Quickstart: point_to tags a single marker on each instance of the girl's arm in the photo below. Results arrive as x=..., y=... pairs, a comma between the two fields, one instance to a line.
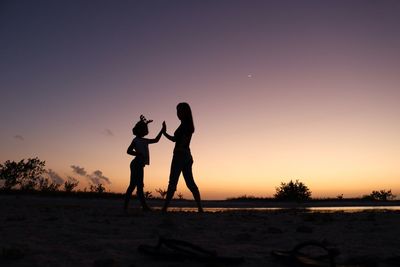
x=157, y=138
x=131, y=150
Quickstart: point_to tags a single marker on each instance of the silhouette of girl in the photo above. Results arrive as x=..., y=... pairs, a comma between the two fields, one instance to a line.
x=140, y=149
x=182, y=160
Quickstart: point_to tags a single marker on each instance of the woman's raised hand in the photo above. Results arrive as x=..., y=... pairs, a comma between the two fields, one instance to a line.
x=164, y=127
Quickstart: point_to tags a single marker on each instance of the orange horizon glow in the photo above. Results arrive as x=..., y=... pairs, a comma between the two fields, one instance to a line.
x=279, y=91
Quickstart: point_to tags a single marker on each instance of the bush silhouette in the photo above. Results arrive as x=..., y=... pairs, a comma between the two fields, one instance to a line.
x=180, y=196
x=24, y=175
x=381, y=195
x=292, y=191
x=161, y=192
x=148, y=194
x=70, y=184
x=45, y=185
x=97, y=188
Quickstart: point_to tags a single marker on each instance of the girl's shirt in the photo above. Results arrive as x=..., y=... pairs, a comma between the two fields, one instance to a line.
x=141, y=145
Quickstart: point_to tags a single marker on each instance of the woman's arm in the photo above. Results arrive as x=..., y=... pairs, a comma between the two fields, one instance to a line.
x=169, y=137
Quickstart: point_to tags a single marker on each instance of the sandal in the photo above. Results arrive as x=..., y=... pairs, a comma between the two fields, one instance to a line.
x=179, y=250
x=301, y=256
x=322, y=256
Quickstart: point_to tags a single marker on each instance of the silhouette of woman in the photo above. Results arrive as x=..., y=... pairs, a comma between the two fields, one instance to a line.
x=182, y=160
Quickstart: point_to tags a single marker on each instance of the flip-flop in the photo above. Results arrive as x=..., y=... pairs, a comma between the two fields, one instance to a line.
x=179, y=250
x=298, y=256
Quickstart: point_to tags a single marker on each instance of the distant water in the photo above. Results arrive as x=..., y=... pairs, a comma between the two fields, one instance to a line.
x=307, y=209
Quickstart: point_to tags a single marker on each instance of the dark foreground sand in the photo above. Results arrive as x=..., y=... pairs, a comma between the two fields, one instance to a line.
x=47, y=231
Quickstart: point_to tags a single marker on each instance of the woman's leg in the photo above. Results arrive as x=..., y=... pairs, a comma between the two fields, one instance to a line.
x=188, y=175
x=173, y=181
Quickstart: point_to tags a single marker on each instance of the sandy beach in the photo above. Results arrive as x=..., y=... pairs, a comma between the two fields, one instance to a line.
x=65, y=231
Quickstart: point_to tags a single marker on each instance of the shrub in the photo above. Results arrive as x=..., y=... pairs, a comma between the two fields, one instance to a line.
x=381, y=195
x=148, y=194
x=98, y=188
x=293, y=191
x=162, y=192
x=44, y=185
x=70, y=184
x=244, y=198
x=24, y=175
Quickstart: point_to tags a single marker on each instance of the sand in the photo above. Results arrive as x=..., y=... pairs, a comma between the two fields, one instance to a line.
x=65, y=231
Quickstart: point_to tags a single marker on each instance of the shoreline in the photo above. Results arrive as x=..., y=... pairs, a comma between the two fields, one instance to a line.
x=219, y=205
x=282, y=204
x=234, y=204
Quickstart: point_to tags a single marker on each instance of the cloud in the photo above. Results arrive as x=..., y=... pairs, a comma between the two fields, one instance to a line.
x=108, y=132
x=19, y=137
x=54, y=176
x=97, y=177
x=79, y=170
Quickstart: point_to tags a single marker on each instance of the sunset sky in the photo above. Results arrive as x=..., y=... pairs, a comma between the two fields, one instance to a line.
x=280, y=90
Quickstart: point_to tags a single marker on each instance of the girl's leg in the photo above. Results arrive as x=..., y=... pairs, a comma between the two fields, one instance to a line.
x=173, y=181
x=188, y=175
x=140, y=185
x=128, y=195
x=130, y=189
x=142, y=200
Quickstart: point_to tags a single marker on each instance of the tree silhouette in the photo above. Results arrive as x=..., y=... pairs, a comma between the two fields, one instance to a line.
x=293, y=191
x=24, y=175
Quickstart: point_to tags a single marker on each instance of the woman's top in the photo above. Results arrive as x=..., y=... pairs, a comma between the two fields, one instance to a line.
x=141, y=145
x=183, y=135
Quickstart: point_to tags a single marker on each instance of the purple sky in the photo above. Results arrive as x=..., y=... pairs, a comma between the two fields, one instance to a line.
x=280, y=90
